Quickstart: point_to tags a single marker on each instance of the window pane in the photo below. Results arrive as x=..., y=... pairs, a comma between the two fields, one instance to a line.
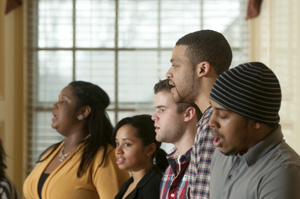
x=138, y=23
x=214, y=12
x=137, y=72
x=177, y=19
x=111, y=115
x=43, y=135
x=55, y=23
x=54, y=73
x=165, y=64
x=95, y=22
x=97, y=67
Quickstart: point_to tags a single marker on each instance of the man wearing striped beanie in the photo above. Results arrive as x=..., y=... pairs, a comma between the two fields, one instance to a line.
x=252, y=160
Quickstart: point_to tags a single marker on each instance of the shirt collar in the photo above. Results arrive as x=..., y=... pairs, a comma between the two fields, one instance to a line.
x=174, y=155
x=178, y=162
x=207, y=113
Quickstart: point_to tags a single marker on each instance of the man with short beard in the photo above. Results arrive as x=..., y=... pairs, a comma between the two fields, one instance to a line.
x=197, y=60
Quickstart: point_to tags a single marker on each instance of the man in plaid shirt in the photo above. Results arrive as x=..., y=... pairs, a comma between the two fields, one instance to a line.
x=197, y=60
x=175, y=123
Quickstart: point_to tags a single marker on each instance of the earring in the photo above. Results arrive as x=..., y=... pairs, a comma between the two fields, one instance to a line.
x=80, y=117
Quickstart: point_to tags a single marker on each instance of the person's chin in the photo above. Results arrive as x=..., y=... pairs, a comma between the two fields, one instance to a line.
x=122, y=167
x=158, y=138
x=180, y=98
x=226, y=152
x=53, y=125
x=177, y=98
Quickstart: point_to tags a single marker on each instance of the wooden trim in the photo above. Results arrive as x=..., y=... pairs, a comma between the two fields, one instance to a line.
x=2, y=127
x=2, y=3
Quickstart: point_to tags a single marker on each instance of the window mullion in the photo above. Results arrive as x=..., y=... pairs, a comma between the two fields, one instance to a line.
x=116, y=108
x=74, y=41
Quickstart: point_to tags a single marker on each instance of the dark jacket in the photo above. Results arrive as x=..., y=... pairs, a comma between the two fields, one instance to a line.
x=147, y=188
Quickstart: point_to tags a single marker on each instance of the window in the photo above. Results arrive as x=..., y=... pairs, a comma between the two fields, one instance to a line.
x=124, y=46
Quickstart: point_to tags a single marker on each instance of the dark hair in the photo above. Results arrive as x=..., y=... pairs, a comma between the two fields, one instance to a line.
x=98, y=125
x=210, y=46
x=163, y=85
x=145, y=131
x=2, y=161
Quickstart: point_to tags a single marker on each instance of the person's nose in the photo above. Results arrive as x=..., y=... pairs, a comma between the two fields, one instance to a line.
x=154, y=117
x=212, y=121
x=169, y=73
x=54, y=106
x=119, y=150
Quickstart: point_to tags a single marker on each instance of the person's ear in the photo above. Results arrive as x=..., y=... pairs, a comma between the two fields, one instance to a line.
x=150, y=149
x=202, y=69
x=189, y=113
x=85, y=111
x=256, y=125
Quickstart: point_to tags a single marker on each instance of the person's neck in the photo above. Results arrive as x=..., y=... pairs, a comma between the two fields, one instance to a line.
x=259, y=135
x=72, y=141
x=262, y=133
x=139, y=174
x=202, y=100
x=187, y=140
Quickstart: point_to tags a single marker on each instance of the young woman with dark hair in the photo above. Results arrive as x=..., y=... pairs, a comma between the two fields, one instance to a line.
x=138, y=151
x=83, y=165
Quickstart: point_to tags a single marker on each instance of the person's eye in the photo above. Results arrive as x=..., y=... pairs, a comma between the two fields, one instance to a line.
x=223, y=116
x=174, y=66
x=127, y=145
x=161, y=110
x=63, y=101
x=117, y=144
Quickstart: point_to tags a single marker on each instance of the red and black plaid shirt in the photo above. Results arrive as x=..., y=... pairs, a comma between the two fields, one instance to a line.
x=174, y=181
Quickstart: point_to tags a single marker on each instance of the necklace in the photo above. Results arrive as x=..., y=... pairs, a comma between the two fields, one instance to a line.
x=63, y=156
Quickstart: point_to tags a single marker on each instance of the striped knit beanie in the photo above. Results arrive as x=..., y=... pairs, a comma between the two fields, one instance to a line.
x=251, y=90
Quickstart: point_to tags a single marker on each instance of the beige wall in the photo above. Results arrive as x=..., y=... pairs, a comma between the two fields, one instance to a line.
x=276, y=42
x=11, y=91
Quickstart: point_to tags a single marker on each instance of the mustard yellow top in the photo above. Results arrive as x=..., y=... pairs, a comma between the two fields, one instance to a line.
x=98, y=182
